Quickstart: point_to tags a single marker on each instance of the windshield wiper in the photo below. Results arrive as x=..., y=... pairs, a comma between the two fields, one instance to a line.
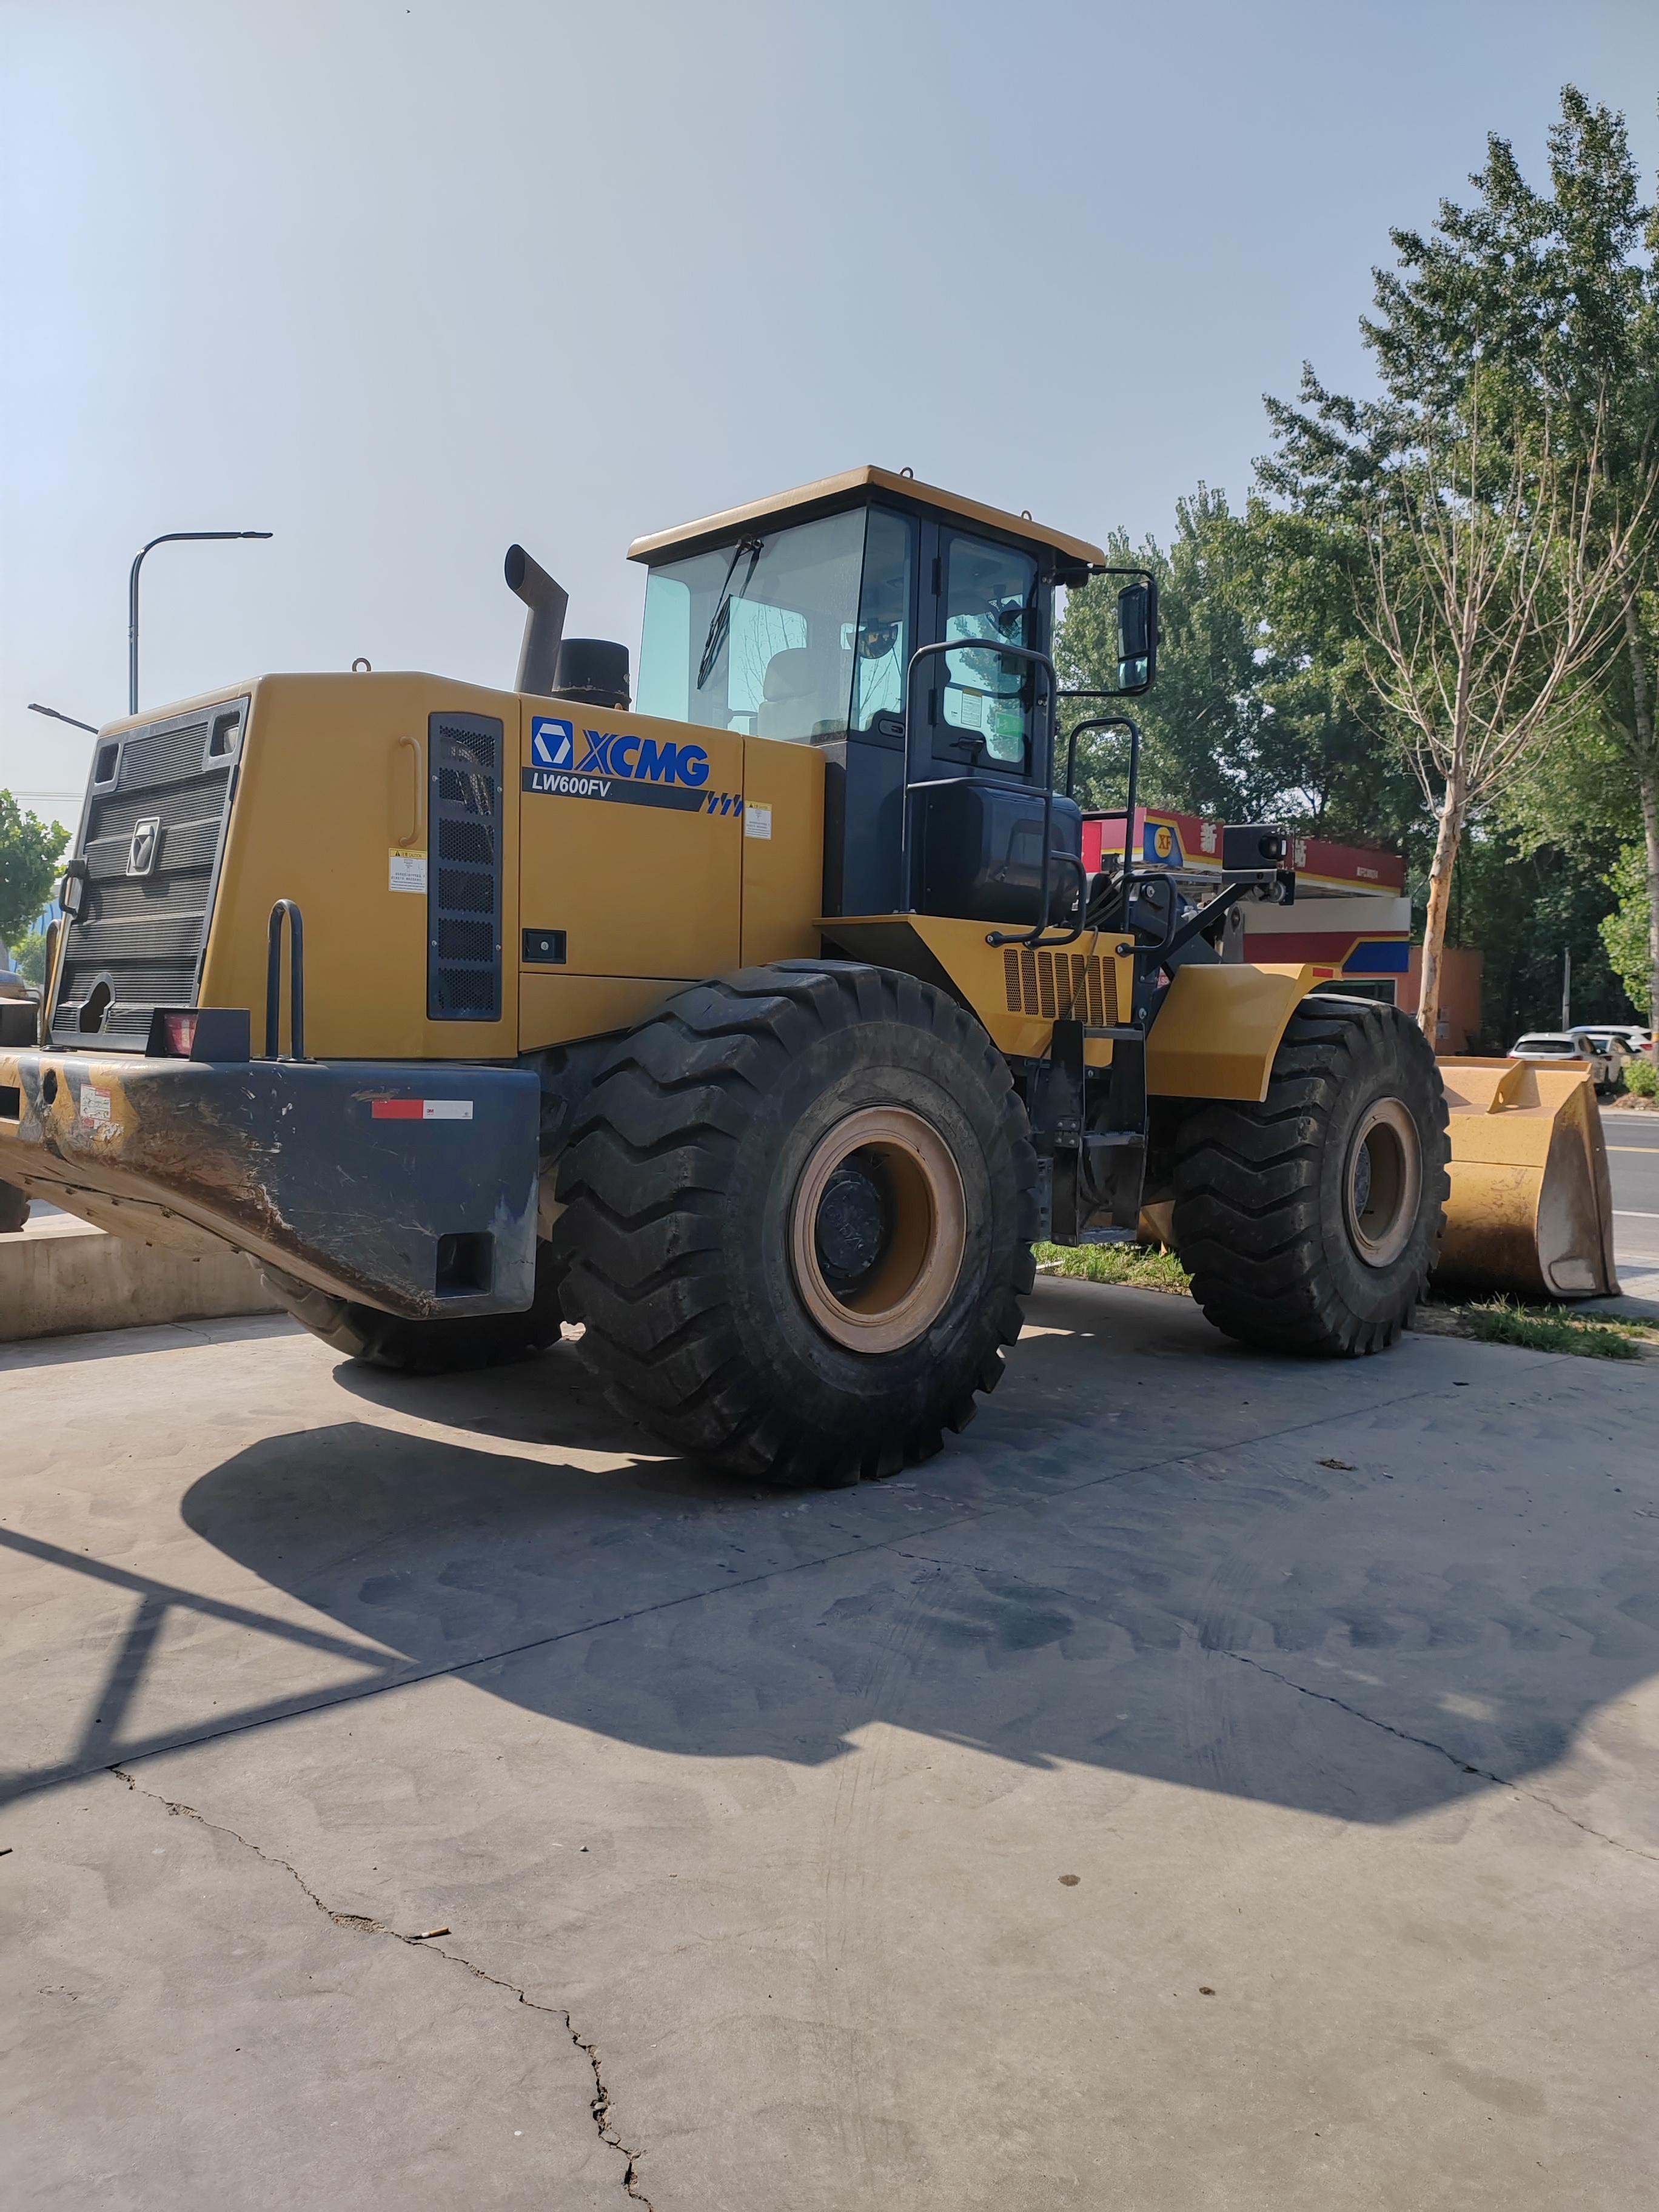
x=721, y=621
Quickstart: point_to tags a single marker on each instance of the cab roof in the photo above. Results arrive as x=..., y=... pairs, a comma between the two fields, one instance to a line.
x=829, y=493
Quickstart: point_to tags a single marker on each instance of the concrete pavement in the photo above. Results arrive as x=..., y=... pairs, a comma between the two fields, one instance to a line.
x=1215, y=1782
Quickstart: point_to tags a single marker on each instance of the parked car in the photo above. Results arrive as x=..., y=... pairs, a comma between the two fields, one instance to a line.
x=1547, y=1045
x=1610, y=1042
x=1633, y=1037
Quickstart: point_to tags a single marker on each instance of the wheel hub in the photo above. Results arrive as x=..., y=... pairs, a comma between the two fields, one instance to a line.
x=854, y=1226
x=877, y=1228
x=1384, y=1183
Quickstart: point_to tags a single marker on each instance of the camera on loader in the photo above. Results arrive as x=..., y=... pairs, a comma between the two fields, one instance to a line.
x=758, y=1023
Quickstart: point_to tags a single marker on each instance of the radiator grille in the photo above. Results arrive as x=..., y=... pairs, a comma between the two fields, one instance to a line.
x=1061, y=987
x=463, y=905
x=137, y=940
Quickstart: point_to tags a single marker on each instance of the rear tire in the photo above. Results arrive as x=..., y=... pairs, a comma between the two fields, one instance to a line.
x=799, y=1211
x=1311, y=1223
x=427, y=1347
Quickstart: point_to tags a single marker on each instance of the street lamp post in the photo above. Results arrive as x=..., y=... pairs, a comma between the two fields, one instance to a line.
x=75, y=723
x=167, y=537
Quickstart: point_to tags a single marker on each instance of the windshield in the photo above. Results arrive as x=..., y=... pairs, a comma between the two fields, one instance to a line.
x=757, y=635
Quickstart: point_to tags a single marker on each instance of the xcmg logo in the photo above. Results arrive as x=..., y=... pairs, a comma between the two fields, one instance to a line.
x=553, y=746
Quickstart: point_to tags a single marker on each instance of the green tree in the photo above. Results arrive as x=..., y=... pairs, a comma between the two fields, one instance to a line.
x=1626, y=933
x=1516, y=346
x=1532, y=882
x=1628, y=706
x=28, y=958
x=1200, y=724
x=1569, y=283
x=1344, y=772
x=1259, y=710
x=30, y=853
x=1522, y=905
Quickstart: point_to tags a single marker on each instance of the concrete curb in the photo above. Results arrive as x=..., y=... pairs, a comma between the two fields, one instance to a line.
x=61, y=1277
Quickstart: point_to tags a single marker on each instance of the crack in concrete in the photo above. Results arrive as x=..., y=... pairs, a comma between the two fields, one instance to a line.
x=1427, y=1743
x=1324, y=1697
x=360, y=1923
x=979, y=1567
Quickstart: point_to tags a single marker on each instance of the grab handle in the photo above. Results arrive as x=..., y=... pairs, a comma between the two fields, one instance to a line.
x=296, y=1008
x=410, y=748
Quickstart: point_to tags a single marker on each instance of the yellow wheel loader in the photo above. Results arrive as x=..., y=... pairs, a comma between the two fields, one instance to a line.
x=759, y=1022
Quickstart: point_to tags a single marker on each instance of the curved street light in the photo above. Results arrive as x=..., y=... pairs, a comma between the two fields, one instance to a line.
x=167, y=537
x=35, y=707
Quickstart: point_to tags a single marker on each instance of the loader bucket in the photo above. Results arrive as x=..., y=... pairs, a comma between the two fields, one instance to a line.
x=1531, y=1205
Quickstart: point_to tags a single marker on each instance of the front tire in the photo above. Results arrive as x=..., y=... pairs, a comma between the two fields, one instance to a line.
x=799, y=1211
x=1311, y=1223
x=13, y=1209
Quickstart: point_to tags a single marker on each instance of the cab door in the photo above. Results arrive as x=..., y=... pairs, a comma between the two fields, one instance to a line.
x=979, y=704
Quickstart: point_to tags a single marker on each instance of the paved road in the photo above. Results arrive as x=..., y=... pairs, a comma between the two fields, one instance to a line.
x=1634, y=1162
x=1216, y=1781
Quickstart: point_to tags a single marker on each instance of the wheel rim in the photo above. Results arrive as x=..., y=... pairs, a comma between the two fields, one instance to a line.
x=1383, y=1183
x=878, y=1230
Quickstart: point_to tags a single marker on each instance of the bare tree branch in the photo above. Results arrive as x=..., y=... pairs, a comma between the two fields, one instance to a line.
x=1498, y=577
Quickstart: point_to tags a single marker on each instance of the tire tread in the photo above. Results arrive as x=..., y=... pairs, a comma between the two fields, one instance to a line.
x=641, y=1185
x=1249, y=1220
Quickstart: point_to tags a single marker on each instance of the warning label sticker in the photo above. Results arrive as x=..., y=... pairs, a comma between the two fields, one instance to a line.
x=408, y=870
x=94, y=1104
x=756, y=820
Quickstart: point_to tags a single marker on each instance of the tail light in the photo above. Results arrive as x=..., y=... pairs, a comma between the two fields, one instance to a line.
x=221, y=1033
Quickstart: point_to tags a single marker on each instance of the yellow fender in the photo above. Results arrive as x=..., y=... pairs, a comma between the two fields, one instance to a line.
x=1531, y=1205
x=1219, y=1028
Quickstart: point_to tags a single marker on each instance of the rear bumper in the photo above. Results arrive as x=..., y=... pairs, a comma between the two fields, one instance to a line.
x=409, y=1188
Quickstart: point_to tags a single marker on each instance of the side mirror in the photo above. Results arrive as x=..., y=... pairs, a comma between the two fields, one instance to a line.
x=1136, y=633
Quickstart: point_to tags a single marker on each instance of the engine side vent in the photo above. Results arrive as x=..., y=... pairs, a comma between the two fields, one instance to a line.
x=464, y=903
x=1061, y=987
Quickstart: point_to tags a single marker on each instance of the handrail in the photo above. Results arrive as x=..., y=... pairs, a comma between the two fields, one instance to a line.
x=1112, y=813
x=1036, y=941
x=296, y=1011
x=907, y=853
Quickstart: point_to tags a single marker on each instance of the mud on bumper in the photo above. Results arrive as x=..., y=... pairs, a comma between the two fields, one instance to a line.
x=409, y=1188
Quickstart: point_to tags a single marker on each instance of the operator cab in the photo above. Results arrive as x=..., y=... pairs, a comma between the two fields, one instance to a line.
x=798, y=618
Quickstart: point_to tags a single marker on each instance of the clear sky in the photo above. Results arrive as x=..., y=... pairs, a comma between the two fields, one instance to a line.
x=404, y=283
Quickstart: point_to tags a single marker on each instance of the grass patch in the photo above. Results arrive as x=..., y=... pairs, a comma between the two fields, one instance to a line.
x=1547, y=1328
x=1143, y=1267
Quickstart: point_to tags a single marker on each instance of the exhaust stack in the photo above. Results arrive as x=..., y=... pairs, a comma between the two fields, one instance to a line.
x=544, y=627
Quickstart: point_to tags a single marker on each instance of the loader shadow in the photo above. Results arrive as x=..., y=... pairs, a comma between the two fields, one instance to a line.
x=1365, y=1637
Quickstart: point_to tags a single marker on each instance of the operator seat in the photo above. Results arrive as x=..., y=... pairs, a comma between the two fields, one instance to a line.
x=804, y=693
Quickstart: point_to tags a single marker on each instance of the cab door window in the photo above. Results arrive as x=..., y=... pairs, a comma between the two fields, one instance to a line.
x=990, y=594
x=881, y=642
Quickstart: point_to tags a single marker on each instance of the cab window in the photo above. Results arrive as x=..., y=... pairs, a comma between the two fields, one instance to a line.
x=990, y=593
x=881, y=642
x=757, y=635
